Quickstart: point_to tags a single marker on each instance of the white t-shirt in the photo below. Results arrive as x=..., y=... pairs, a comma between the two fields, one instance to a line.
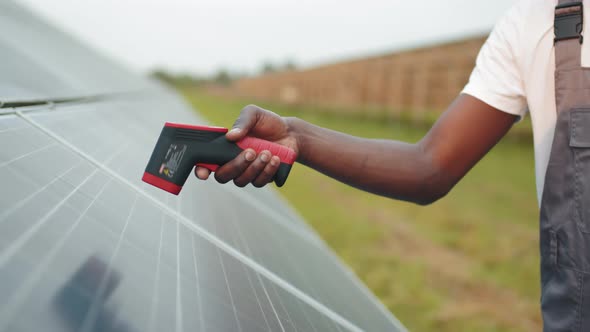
x=515, y=69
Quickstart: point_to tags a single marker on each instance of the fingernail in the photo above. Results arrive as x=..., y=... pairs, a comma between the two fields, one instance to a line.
x=274, y=161
x=264, y=157
x=250, y=155
x=235, y=131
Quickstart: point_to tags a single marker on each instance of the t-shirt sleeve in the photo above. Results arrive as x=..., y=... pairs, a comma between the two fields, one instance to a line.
x=497, y=78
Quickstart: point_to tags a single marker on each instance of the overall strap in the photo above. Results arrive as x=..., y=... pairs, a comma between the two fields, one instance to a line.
x=568, y=27
x=569, y=75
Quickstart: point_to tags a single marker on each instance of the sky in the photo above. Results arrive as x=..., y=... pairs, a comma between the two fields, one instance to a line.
x=203, y=36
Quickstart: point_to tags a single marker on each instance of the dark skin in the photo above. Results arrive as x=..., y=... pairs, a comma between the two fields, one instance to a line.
x=421, y=173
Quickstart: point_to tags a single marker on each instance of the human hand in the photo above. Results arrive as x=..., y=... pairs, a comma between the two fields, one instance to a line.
x=248, y=167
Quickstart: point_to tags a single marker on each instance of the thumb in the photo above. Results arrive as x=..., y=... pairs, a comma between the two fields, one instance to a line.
x=246, y=121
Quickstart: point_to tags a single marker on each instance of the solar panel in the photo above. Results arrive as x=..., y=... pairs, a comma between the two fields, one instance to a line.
x=86, y=246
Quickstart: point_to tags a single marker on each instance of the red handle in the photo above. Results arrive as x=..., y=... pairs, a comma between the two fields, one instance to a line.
x=286, y=154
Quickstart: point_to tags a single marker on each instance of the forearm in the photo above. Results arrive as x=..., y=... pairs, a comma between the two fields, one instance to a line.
x=389, y=168
x=420, y=173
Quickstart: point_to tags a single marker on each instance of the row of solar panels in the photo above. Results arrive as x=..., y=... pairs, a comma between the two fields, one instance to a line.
x=86, y=246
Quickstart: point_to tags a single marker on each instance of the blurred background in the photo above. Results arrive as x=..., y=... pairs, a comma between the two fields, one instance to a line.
x=383, y=69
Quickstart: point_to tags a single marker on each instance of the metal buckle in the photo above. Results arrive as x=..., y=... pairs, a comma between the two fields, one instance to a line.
x=570, y=24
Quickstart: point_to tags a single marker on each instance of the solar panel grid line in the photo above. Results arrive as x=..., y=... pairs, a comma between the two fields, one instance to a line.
x=296, y=215
x=312, y=320
x=343, y=267
x=287, y=256
x=17, y=244
x=205, y=234
x=219, y=299
x=249, y=253
x=190, y=302
x=258, y=299
x=289, y=319
x=17, y=205
x=178, y=285
x=21, y=203
x=11, y=129
x=229, y=291
x=266, y=297
x=7, y=122
x=338, y=328
x=10, y=112
x=118, y=320
x=169, y=301
x=238, y=229
x=280, y=246
x=345, y=305
x=45, y=147
x=264, y=208
x=154, y=305
x=198, y=290
x=346, y=270
x=163, y=273
x=246, y=308
x=296, y=268
x=281, y=219
x=303, y=276
x=307, y=319
x=22, y=293
x=114, y=233
x=243, y=299
x=240, y=314
x=91, y=315
x=367, y=292
x=23, y=156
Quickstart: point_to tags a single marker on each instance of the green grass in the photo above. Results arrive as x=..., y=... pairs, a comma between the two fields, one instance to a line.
x=466, y=263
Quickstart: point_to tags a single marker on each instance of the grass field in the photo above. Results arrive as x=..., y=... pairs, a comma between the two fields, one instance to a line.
x=466, y=263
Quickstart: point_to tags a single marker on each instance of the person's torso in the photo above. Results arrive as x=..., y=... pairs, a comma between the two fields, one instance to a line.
x=536, y=59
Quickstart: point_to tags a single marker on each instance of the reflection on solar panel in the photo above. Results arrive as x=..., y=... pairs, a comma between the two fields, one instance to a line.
x=86, y=246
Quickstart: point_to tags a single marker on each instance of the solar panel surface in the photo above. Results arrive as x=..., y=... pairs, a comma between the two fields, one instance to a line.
x=86, y=246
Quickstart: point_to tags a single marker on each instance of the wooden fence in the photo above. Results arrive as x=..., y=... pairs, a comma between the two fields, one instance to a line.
x=422, y=80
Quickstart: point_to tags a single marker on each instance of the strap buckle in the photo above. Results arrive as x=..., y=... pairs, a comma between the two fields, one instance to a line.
x=569, y=21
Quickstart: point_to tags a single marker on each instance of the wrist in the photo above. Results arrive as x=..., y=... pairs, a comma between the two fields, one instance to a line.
x=295, y=131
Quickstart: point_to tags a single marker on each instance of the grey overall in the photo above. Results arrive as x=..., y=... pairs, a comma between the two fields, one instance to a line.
x=565, y=205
